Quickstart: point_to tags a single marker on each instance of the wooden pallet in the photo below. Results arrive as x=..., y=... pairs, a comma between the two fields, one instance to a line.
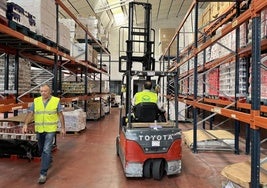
x=22, y=29
x=64, y=50
x=239, y=173
x=73, y=132
x=46, y=41
x=210, y=139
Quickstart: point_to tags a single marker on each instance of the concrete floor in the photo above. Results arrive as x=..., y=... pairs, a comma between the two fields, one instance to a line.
x=89, y=160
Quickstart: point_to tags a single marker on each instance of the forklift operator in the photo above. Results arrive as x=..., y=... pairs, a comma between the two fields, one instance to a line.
x=146, y=95
x=149, y=96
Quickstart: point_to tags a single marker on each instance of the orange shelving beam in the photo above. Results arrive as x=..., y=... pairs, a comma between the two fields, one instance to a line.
x=12, y=107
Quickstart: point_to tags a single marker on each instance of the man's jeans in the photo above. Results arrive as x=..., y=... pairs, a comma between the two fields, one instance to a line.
x=45, y=144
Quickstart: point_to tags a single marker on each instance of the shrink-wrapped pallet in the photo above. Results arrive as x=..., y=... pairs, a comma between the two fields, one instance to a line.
x=45, y=14
x=75, y=121
x=90, y=23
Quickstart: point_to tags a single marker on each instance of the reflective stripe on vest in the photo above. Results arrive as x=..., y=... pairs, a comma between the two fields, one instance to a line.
x=145, y=96
x=46, y=118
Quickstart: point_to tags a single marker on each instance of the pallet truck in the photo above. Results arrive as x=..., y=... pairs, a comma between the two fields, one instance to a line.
x=146, y=147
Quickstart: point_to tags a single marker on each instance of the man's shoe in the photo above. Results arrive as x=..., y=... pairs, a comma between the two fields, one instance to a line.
x=42, y=179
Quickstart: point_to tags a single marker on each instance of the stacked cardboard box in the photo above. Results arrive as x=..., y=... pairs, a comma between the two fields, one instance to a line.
x=200, y=88
x=73, y=87
x=264, y=23
x=213, y=82
x=212, y=11
x=78, y=51
x=182, y=110
x=263, y=78
x=227, y=79
x=95, y=57
x=94, y=86
x=91, y=24
x=249, y=31
x=70, y=24
x=45, y=14
x=205, y=17
x=64, y=36
x=184, y=86
x=243, y=35
x=24, y=76
x=18, y=14
x=93, y=111
x=11, y=128
x=10, y=76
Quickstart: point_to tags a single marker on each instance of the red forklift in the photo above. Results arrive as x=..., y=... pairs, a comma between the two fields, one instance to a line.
x=147, y=145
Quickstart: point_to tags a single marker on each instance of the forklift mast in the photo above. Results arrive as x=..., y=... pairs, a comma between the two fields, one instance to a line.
x=140, y=36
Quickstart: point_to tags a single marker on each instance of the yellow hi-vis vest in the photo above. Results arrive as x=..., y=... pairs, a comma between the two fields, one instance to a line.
x=45, y=118
x=145, y=96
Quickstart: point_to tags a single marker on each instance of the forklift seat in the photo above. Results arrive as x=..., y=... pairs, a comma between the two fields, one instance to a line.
x=146, y=112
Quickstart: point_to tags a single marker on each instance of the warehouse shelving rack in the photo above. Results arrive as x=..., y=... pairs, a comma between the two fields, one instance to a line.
x=19, y=44
x=97, y=45
x=250, y=114
x=46, y=54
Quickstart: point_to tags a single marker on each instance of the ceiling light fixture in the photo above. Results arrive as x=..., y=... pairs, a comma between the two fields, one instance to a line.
x=112, y=4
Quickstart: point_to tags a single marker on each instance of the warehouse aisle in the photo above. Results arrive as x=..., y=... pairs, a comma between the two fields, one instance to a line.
x=89, y=160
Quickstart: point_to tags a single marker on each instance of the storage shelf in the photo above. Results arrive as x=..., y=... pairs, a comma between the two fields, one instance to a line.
x=234, y=107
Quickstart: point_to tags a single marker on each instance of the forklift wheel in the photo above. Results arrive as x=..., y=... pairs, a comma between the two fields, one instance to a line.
x=147, y=172
x=158, y=169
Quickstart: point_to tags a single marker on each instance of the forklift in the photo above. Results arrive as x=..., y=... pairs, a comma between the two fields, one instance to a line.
x=147, y=147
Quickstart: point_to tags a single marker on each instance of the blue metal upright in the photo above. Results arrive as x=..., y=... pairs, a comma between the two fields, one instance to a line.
x=176, y=81
x=195, y=80
x=86, y=72
x=237, y=90
x=255, y=100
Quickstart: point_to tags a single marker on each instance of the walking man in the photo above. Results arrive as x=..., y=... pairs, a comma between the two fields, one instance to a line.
x=46, y=111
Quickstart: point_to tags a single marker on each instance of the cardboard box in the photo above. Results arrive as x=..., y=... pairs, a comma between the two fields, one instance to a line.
x=45, y=14
x=64, y=36
x=78, y=51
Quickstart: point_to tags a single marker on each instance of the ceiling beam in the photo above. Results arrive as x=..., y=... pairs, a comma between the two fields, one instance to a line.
x=169, y=9
x=73, y=7
x=180, y=8
x=158, y=9
x=91, y=7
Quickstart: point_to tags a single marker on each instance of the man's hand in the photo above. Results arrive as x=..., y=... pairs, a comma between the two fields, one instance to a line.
x=63, y=132
x=24, y=128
